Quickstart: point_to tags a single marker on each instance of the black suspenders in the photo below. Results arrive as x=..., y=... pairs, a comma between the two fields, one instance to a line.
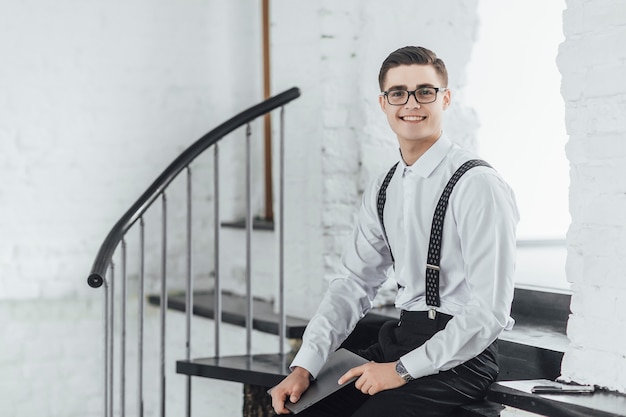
x=436, y=230
x=382, y=197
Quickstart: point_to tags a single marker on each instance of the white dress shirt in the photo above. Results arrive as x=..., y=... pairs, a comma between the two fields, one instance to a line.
x=477, y=261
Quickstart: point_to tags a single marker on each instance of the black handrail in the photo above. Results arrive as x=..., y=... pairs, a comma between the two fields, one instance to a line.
x=133, y=214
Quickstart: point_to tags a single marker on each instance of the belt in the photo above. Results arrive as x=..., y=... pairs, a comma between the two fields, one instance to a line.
x=440, y=320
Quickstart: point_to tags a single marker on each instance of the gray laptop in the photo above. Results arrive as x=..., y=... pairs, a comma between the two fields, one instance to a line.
x=326, y=383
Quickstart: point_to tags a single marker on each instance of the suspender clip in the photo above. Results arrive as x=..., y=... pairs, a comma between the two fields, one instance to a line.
x=432, y=313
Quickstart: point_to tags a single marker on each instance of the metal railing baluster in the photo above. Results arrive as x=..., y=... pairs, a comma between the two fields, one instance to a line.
x=111, y=334
x=123, y=341
x=141, y=317
x=189, y=289
x=163, y=306
x=281, y=235
x=248, y=241
x=217, y=315
x=106, y=347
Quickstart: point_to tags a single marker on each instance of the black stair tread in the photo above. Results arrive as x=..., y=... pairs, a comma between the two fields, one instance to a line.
x=601, y=403
x=265, y=370
x=257, y=224
x=233, y=312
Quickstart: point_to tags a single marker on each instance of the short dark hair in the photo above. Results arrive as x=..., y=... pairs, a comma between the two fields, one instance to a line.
x=412, y=55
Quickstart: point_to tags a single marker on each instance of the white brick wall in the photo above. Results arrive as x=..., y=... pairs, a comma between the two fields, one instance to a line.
x=591, y=61
x=95, y=100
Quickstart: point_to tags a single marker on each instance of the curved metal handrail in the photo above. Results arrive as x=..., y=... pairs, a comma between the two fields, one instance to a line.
x=135, y=212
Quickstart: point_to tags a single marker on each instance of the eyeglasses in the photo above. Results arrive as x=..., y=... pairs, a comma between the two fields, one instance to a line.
x=422, y=95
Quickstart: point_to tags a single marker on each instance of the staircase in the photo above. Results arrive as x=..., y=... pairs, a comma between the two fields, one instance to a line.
x=114, y=279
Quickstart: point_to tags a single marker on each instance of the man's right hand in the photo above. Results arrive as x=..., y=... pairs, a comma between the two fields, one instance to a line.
x=291, y=387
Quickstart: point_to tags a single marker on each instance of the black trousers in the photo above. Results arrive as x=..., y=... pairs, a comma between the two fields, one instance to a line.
x=430, y=396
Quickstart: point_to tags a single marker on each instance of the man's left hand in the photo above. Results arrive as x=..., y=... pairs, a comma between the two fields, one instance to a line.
x=374, y=377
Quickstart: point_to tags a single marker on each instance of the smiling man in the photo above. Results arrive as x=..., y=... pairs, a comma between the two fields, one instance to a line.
x=441, y=222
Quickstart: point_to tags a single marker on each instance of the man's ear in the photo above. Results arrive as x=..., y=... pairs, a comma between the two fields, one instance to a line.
x=447, y=99
x=382, y=101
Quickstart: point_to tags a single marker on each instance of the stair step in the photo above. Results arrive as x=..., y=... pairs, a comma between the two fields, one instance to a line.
x=257, y=224
x=264, y=370
x=233, y=312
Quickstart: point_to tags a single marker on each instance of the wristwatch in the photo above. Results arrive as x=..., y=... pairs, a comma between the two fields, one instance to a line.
x=402, y=372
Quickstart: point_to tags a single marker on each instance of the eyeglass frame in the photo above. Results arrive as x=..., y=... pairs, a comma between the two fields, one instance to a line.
x=412, y=93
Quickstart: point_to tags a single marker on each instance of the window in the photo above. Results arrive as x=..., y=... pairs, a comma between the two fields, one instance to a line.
x=514, y=85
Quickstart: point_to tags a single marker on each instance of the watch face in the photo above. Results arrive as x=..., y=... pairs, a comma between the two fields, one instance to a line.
x=402, y=372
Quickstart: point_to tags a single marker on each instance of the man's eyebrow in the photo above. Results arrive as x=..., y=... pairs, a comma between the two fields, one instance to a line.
x=404, y=87
x=397, y=87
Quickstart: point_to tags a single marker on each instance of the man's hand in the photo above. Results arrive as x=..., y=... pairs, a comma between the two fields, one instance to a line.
x=374, y=377
x=291, y=387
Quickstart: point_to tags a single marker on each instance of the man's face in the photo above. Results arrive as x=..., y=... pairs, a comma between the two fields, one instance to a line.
x=415, y=122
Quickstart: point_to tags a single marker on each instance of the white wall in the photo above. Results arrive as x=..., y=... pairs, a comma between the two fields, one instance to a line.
x=96, y=99
x=592, y=63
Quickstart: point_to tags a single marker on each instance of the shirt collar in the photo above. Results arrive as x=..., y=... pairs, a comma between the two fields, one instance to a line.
x=427, y=163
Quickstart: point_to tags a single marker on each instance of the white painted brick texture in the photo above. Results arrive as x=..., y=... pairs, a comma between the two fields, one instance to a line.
x=592, y=61
x=96, y=99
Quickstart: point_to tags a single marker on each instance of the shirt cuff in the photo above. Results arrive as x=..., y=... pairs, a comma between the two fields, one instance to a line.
x=417, y=363
x=308, y=359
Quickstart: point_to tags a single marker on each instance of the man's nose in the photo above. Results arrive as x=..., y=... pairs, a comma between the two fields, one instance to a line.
x=412, y=93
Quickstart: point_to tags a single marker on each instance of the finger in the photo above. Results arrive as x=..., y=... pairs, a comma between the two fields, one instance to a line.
x=280, y=408
x=365, y=389
x=278, y=403
x=352, y=373
x=359, y=383
x=279, y=398
x=294, y=397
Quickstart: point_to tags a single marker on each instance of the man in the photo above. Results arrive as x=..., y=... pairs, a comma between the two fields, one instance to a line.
x=442, y=353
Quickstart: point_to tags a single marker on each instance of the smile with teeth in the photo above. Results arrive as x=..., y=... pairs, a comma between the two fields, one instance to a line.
x=413, y=118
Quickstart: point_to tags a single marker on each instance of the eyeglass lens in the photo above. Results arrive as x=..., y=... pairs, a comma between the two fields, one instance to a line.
x=422, y=95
